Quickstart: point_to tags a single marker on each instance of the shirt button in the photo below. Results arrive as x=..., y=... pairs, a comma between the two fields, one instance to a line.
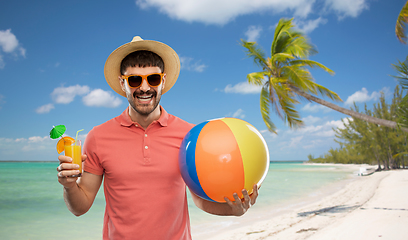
x=145, y=135
x=136, y=125
x=146, y=147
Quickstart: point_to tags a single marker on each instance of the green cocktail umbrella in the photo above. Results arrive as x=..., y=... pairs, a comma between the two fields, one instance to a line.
x=57, y=131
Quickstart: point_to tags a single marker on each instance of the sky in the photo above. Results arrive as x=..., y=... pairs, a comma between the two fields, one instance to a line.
x=52, y=55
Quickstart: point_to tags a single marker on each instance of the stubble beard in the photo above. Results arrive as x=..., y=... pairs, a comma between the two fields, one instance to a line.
x=144, y=109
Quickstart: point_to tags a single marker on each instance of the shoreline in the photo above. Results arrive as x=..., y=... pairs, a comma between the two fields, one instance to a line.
x=319, y=217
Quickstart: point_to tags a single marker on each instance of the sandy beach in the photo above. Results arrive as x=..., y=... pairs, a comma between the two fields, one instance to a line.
x=366, y=207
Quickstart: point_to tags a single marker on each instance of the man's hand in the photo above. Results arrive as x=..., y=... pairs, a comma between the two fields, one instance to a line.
x=240, y=206
x=66, y=169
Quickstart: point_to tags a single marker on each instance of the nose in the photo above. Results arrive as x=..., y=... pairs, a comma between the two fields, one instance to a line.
x=144, y=86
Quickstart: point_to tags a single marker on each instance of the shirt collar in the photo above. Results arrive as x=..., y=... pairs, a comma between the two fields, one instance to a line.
x=125, y=120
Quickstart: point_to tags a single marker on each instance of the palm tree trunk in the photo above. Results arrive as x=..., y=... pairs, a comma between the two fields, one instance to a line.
x=377, y=157
x=378, y=121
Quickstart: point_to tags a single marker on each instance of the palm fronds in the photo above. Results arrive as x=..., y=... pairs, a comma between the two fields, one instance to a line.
x=401, y=22
x=257, y=78
x=253, y=51
x=402, y=112
x=286, y=67
x=264, y=103
x=402, y=69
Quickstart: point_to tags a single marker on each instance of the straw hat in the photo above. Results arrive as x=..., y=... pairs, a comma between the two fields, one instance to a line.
x=169, y=56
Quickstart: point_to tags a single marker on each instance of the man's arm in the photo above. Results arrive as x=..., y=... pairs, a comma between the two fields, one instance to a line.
x=231, y=208
x=79, y=193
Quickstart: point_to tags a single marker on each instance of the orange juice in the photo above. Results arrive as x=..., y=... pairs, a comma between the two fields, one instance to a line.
x=74, y=151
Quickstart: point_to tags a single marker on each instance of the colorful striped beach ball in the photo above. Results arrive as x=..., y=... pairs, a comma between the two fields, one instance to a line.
x=223, y=156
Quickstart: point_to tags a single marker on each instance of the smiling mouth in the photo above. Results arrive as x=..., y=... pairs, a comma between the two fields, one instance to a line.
x=145, y=98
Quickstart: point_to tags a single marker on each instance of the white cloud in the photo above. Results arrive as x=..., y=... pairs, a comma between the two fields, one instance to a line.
x=347, y=8
x=310, y=120
x=312, y=144
x=36, y=139
x=189, y=64
x=364, y=96
x=294, y=142
x=9, y=44
x=316, y=108
x=94, y=98
x=327, y=129
x=222, y=11
x=30, y=148
x=295, y=139
x=101, y=98
x=45, y=108
x=243, y=88
x=324, y=130
x=253, y=33
x=239, y=114
x=65, y=95
x=309, y=25
x=339, y=123
x=8, y=41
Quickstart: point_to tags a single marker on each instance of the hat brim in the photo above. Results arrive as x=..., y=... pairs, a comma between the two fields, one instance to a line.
x=169, y=56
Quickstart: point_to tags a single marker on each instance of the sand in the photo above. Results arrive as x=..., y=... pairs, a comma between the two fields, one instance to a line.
x=369, y=207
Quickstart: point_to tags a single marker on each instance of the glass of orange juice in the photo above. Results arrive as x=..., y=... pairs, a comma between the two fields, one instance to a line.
x=74, y=151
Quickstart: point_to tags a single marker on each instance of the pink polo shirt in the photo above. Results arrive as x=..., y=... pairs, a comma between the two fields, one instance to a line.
x=144, y=192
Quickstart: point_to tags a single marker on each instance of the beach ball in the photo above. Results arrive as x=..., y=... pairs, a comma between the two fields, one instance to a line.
x=223, y=156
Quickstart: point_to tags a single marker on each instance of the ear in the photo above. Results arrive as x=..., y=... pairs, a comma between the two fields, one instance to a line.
x=122, y=83
x=164, y=81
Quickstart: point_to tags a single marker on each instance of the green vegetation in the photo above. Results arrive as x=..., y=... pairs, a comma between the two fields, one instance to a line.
x=402, y=67
x=401, y=22
x=284, y=74
x=364, y=142
x=285, y=78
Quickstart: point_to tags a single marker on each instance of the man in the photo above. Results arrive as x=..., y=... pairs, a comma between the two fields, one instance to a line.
x=136, y=154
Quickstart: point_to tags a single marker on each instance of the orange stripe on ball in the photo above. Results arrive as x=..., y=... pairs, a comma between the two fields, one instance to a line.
x=218, y=162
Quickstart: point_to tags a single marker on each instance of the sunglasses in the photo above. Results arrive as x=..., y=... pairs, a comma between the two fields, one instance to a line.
x=134, y=81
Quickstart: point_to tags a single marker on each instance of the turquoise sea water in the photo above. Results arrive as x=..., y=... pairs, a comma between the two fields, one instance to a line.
x=32, y=206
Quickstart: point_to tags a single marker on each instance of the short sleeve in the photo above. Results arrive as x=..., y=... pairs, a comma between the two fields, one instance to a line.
x=92, y=163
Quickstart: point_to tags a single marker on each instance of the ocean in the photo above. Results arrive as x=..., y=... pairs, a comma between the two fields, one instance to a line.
x=32, y=206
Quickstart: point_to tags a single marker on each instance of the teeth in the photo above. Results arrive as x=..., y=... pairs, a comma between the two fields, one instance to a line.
x=145, y=97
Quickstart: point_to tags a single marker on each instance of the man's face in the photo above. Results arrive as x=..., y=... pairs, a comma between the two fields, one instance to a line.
x=143, y=99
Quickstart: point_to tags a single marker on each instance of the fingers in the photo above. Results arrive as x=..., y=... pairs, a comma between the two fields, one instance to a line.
x=68, y=173
x=254, y=194
x=66, y=177
x=68, y=170
x=67, y=167
x=233, y=203
x=64, y=159
x=247, y=202
x=229, y=201
x=236, y=206
x=240, y=206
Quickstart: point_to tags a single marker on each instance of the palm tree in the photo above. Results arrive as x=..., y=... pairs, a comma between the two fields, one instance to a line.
x=401, y=21
x=402, y=67
x=285, y=78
